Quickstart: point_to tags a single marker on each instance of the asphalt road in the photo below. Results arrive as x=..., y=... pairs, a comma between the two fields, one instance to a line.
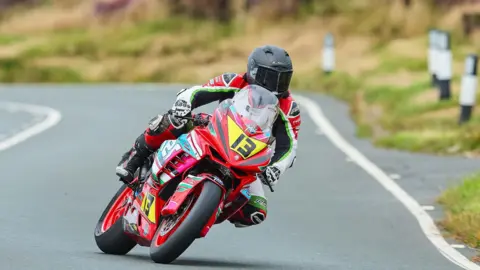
x=326, y=213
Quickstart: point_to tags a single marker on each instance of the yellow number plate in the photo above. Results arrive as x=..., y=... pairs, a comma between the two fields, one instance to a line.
x=241, y=143
x=148, y=207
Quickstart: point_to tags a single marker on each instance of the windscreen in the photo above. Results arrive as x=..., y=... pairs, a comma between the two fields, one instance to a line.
x=256, y=104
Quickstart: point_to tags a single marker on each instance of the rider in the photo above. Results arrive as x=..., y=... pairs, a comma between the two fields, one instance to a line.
x=268, y=66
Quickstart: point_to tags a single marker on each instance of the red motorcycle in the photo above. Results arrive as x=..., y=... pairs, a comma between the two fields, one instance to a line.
x=194, y=182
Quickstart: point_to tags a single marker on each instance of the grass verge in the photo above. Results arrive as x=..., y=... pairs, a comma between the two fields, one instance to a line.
x=384, y=79
x=462, y=207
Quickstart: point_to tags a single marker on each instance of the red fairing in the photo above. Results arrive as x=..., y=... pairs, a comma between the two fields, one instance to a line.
x=146, y=220
x=179, y=196
x=215, y=142
x=243, y=169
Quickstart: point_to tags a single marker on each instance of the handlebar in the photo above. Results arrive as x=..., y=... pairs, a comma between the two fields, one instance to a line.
x=197, y=121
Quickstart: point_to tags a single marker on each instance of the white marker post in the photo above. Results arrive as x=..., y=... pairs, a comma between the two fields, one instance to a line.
x=469, y=88
x=328, y=58
x=444, y=65
x=432, y=54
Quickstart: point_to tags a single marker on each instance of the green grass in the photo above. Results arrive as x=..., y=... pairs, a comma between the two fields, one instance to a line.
x=119, y=52
x=10, y=39
x=401, y=120
x=338, y=84
x=462, y=206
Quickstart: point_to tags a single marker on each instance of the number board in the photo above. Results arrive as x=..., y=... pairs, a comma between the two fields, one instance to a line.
x=241, y=143
x=148, y=207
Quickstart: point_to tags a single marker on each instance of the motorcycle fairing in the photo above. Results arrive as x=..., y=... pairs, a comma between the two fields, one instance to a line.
x=226, y=132
x=174, y=157
x=141, y=217
x=186, y=186
x=171, y=160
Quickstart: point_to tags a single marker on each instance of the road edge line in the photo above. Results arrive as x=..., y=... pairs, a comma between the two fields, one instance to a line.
x=53, y=118
x=425, y=221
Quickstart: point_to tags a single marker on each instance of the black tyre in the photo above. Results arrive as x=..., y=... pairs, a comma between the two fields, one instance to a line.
x=189, y=227
x=113, y=240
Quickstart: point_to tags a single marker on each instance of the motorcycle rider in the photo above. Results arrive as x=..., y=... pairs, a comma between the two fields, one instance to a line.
x=268, y=66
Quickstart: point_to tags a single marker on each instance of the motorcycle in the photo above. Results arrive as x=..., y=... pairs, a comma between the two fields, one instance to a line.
x=194, y=182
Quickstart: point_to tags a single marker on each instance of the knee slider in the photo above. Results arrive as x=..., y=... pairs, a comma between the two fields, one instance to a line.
x=255, y=215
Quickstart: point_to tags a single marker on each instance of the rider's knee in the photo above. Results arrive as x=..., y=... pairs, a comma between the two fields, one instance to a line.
x=255, y=211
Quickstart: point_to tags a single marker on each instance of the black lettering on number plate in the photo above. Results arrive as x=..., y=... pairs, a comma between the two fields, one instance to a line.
x=147, y=203
x=247, y=146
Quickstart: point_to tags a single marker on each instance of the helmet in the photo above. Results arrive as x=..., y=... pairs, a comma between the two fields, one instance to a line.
x=270, y=67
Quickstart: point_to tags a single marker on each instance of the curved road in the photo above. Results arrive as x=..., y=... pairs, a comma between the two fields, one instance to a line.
x=326, y=213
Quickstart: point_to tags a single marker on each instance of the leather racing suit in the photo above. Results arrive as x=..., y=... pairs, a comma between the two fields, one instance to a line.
x=285, y=130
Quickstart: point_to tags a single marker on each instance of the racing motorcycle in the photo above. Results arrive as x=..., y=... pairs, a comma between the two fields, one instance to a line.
x=194, y=182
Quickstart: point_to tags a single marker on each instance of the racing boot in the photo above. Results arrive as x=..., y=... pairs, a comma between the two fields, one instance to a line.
x=132, y=160
x=160, y=129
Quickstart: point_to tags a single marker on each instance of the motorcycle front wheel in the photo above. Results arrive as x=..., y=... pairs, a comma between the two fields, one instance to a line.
x=109, y=234
x=177, y=232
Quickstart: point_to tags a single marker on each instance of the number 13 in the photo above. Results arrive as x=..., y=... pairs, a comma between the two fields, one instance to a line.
x=247, y=146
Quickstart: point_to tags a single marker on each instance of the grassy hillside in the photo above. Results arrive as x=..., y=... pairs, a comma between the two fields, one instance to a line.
x=380, y=51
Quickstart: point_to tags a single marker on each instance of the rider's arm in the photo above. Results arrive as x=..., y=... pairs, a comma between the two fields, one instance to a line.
x=285, y=143
x=217, y=89
x=201, y=95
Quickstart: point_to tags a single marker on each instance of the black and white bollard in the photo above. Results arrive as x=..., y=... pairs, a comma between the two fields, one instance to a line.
x=328, y=57
x=443, y=64
x=432, y=54
x=468, y=90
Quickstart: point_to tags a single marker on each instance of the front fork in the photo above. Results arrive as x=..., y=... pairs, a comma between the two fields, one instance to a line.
x=188, y=186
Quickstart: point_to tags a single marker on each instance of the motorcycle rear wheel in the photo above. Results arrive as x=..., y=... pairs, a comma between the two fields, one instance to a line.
x=165, y=249
x=109, y=234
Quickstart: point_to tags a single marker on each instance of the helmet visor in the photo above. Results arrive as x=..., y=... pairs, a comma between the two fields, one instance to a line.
x=275, y=81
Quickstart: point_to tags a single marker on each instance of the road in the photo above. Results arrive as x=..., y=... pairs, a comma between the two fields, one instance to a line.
x=327, y=213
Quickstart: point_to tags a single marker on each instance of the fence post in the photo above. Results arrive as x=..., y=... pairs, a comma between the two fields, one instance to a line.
x=328, y=53
x=432, y=54
x=469, y=88
x=444, y=65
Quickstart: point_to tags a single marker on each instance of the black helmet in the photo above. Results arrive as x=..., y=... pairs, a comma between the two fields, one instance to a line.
x=271, y=67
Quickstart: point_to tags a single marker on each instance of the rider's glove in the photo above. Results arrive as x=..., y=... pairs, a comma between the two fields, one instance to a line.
x=180, y=108
x=201, y=119
x=270, y=175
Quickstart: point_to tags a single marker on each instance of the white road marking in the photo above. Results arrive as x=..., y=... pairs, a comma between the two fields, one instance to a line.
x=426, y=223
x=52, y=118
x=395, y=176
x=428, y=207
x=457, y=246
